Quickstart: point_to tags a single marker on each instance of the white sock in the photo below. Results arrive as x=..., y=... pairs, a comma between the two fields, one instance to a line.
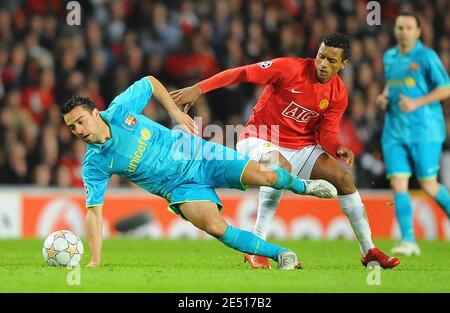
x=269, y=199
x=353, y=207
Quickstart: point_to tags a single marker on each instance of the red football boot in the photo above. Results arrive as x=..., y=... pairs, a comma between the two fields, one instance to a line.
x=257, y=261
x=376, y=257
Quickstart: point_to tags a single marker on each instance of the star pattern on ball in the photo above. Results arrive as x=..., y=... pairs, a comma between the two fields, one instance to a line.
x=51, y=253
x=59, y=234
x=72, y=250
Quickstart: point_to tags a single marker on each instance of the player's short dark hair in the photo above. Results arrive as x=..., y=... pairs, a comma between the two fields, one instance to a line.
x=338, y=40
x=75, y=101
x=410, y=14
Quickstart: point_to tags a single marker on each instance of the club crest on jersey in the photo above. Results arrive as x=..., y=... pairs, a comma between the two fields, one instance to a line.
x=323, y=104
x=265, y=64
x=130, y=122
x=414, y=66
x=299, y=113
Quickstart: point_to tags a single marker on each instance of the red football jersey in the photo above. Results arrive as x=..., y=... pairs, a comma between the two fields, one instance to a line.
x=295, y=109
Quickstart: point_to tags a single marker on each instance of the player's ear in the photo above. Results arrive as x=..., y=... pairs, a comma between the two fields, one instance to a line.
x=419, y=32
x=95, y=113
x=344, y=64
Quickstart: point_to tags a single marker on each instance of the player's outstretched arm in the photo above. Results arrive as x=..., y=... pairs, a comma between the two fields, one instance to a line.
x=162, y=95
x=263, y=73
x=94, y=227
x=187, y=96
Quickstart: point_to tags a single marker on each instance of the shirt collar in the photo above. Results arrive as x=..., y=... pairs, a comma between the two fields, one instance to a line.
x=417, y=46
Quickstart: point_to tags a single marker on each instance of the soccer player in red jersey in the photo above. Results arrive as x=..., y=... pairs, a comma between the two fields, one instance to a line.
x=294, y=125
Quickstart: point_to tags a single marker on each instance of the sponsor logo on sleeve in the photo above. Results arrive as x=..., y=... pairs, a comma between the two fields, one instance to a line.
x=265, y=64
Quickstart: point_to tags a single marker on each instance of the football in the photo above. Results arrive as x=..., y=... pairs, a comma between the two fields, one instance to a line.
x=63, y=248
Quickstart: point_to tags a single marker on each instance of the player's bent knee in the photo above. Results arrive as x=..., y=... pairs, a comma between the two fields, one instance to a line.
x=277, y=159
x=216, y=228
x=430, y=187
x=344, y=182
x=286, y=165
x=270, y=178
x=256, y=174
x=342, y=179
x=399, y=184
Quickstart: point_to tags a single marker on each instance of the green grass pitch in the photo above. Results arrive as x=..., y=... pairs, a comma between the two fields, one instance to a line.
x=168, y=266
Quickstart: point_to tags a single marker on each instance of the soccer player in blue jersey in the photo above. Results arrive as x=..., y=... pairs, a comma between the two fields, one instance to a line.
x=414, y=128
x=173, y=164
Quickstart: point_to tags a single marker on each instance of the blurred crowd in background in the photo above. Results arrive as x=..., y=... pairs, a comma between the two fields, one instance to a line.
x=43, y=61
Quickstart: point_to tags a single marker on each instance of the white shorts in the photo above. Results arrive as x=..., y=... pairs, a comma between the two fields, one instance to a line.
x=302, y=160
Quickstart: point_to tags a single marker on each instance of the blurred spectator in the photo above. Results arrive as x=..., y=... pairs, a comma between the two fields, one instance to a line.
x=42, y=175
x=16, y=169
x=188, y=20
x=73, y=162
x=164, y=34
x=13, y=74
x=194, y=61
x=38, y=99
x=63, y=177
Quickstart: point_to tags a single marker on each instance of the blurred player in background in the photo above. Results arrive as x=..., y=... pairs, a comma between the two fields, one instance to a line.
x=414, y=128
x=182, y=168
x=294, y=125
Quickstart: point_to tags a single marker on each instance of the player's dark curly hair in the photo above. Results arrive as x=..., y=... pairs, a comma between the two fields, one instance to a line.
x=75, y=101
x=338, y=40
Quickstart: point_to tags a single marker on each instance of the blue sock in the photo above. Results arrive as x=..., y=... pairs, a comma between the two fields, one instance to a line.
x=403, y=211
x=288, y=181
x=443, y=199
x=247, y=242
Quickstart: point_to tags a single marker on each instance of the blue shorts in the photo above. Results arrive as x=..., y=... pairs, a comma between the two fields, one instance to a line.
x=215, y=174
x=422, y=158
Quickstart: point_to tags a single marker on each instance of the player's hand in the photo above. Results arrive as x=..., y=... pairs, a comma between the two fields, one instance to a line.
x=93, y=264
x=347, y=155
x=185, y=121
x=382, y=101
x=407, y=104
x=186, y=96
